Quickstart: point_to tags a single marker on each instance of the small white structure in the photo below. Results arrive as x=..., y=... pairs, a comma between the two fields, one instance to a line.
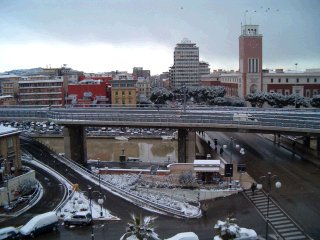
x=184, y=236
x=207, y=170
x=206, y=165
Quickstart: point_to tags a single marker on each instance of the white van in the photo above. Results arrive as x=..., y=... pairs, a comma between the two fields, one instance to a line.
x=41, y=223
x=9, y=233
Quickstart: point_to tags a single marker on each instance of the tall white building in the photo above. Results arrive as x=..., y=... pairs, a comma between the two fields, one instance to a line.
x=185, y=70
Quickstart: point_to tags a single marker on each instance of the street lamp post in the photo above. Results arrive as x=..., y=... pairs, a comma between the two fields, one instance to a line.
x=269, y=178
x=237, y=146
x=90, y=205
x=99, y=175
x=100, y=201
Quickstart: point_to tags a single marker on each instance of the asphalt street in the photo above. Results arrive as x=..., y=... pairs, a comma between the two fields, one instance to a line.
x=299, y=195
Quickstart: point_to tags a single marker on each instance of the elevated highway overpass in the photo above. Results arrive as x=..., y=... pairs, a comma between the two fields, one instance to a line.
x=276, y=121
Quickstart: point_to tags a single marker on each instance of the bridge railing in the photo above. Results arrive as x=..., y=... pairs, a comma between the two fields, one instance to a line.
x=282, y=119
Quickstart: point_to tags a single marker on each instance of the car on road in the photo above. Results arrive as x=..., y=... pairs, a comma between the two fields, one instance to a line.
x=39, y=224
x=79, y=218
x=9, y=233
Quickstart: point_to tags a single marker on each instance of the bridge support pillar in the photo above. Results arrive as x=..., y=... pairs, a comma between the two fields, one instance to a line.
x=75, y=146
x=306, y=141
x=186, y=146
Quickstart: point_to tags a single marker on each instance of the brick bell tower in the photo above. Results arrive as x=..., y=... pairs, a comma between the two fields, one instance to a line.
x=250, y=59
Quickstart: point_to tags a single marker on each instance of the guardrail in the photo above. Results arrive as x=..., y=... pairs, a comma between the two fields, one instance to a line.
x=267, y=120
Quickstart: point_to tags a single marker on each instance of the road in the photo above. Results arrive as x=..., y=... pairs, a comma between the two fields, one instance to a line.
x=166, y=226
x=53, y=192
x=300, y=191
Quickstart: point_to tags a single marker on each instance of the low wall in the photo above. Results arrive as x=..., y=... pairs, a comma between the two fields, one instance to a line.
x=211, y=194
x=11, y=187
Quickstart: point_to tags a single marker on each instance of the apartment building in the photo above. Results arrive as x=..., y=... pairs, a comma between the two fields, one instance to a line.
x=123, y=90
x=41, y=91
x=185, y=70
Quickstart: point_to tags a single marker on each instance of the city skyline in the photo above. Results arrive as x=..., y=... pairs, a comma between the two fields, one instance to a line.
x=99, y=36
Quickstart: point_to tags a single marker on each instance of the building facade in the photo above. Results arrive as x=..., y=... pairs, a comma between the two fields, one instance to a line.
x=185, y=70
x=41, y=91
x=143, y=87
x=88, y=92
x=140, y=72
x=250, y=59
x=9, y=86
x=123, y=90
x=306, y=84
x=204, y=68
x=9, y=151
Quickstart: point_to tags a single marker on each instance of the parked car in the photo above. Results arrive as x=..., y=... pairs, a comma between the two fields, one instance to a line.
x=9, y=233
x=79, y=218
x=41, y=223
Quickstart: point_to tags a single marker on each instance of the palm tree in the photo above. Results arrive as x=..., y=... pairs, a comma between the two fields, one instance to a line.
x=141, y=228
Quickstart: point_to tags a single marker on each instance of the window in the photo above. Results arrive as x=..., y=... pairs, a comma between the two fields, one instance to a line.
x=271, y=79
x=279, y=80
x=307, y=93
x=123, y=93
x=297, y=80
x=287, y=80
x=116, y=93
x=9, y=143
x=307, y=79
x=129, y=93
x=315, y=80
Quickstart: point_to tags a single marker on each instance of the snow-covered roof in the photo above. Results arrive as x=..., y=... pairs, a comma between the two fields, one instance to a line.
x=6, y=96
x=9, y=76
x=206, y=165
x=206, y=162
x=4, y=131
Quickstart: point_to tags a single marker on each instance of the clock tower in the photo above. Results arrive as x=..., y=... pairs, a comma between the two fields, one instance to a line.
x=250, y=59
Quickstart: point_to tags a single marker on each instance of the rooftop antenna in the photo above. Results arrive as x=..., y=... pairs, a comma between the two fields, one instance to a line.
x=245, y=17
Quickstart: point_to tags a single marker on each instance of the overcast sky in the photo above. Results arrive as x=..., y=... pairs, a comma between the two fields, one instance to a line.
x=106, y=35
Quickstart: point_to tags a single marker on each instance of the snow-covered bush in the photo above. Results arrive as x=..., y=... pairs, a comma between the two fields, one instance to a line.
x=140, y=228
x=228, y=229
x=187, y=179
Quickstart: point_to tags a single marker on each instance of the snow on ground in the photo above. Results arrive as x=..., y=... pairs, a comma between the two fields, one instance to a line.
x=80, y=203
x=78, y=200
x=132, y=184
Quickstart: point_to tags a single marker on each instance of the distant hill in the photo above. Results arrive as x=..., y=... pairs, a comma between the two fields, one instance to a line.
x=22, y=72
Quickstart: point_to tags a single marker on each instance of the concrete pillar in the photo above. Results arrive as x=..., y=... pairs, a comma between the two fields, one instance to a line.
x=275, y=138
x=75, y=146
x=191, y=146
x=182, y=145
x=306, y=142
x=186, y=146
x=279, y=138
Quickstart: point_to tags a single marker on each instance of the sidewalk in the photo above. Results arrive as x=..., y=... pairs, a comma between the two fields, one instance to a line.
x=244, y=179
x=307, y=154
